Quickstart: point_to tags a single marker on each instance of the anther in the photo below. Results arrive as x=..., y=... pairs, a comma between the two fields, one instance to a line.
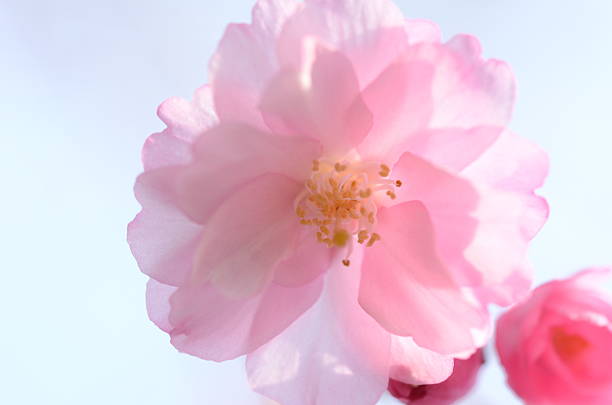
x=339, y=167
x=365, y=193
x=398, y=183
x=362, y=236
x=373, y=239
x=391, y=194
x=384, y=170
x=346, y=262
x=371, y=218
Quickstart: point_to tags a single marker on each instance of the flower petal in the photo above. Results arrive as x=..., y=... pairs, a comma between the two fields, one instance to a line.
x=204, y=322
x=439, y=97
x=168, y=256
x=401, y=105
x=414, y=365
x=158, y=303
x=515, y=164
x=479, y=229
x=230, y=155
x=248, y=234
x=498, y=250
x=306, y=259
x=596, y=279
x=246, y=60
x=370, y=33
x=322, y=102
x=453, y=148
x=422, y=31
x=467, y=90
x=345, y=362
x=185, y=120
x=409, y=291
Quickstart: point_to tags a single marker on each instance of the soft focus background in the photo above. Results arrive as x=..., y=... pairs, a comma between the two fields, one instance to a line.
x=80, y=82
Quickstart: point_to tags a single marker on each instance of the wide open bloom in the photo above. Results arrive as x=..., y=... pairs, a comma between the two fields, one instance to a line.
x=556, y=346
x=344, y=198
x=445, y=393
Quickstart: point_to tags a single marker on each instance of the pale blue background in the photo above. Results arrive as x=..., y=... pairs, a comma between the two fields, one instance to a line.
x=80, y=82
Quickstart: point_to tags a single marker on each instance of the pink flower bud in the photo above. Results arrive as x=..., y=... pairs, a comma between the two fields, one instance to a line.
x=557, y=346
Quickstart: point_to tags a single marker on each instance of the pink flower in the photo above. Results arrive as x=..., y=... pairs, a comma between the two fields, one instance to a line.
x=343, y=199
x=556, y=347
x=445, y=393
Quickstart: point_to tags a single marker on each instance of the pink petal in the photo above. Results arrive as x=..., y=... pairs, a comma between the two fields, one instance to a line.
x=467, y=90
x=450, y=201
x=422, y=31
x=479, y=230
x=409, y=291
x=246, y=60
x=345, y=362
x=498, y=250
x=168, y=256
x=515, y=164
x=595, y=279
x=230, y=155
x=306, y=259
x=188, y=119
x=322, y=102
x=401, y=105
x=246, y=237
x=453, y=148
x=206, y=323
x=158, y=303
x=369, y=32
x=185, y=120
x=406, y=101
x=164, y=149
x=414, y=365
x=512, y=163
x=438, y=86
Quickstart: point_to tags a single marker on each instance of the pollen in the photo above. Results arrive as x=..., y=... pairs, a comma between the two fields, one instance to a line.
x=340, y=202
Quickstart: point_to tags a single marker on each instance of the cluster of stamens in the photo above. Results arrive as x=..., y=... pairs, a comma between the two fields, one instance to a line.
x=339, y=202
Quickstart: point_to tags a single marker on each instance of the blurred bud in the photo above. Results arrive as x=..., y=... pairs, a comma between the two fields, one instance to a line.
x=556, y=346
x=447, y=392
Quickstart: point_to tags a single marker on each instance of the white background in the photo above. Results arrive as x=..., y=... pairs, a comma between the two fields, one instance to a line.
x=80, y=82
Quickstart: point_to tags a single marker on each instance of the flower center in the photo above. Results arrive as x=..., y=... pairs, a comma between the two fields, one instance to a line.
x=339, y=202
x=568, y=346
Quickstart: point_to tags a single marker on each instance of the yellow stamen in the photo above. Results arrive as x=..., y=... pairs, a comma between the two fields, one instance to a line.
x=362, y=236
x=340, y=200
x=373, y=239
x=384, y=170
x=339, y=167
x=365, y=193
